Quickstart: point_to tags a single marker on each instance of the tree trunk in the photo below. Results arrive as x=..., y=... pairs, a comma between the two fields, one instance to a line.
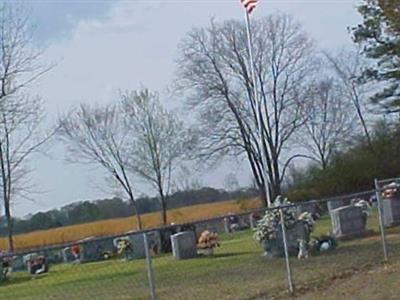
x=9, y=226
x=163, y=205
x=136, y=212
x=163, y=210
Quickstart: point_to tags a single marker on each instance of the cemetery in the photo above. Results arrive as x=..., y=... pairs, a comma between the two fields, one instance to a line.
x=328, y=243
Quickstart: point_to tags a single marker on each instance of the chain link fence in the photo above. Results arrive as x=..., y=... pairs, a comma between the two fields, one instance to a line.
x=220, y=258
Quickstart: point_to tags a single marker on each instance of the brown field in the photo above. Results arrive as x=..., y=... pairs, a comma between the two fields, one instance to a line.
x=121, y=225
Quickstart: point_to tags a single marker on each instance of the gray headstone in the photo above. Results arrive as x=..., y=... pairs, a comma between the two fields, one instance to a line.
x=252, y=221
x=310, y=207
x=347, y=221
x=138, y=246
x=213, y=225
x=184, y=245
x=334, y=204
x=275, y=247
x=391, y=212
x=94, y=250
x=67, y=255
x=227, y=225
x=18, y=263
x=53, y=256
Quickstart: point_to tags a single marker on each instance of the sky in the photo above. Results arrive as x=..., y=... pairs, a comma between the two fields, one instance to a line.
x=101, y=47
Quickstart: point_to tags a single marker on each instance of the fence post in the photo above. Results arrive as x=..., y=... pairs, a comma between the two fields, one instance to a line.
x=285, y=246
x=381, y=226
x=150, y=274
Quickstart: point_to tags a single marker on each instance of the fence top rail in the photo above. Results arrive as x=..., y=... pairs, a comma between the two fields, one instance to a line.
x=389, y=180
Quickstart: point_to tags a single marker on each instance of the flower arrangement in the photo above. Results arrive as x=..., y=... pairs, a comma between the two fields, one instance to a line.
x=268, y=226
x=208, y=241
x=364, y=205
x=5, y=267
x=391, y=190
x=268, y=229
x=124, y=246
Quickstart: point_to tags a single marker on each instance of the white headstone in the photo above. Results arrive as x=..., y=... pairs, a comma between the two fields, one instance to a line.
x=347, y=221
x=391, y=212
x=184, y=245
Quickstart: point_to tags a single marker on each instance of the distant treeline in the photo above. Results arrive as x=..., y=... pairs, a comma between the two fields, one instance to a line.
x=89, y=211
x=353, y=169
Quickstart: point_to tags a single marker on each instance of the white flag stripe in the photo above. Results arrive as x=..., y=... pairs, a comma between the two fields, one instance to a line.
x=249, y=5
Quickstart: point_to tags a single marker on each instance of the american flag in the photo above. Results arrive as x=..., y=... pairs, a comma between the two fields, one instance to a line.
x=249, y=5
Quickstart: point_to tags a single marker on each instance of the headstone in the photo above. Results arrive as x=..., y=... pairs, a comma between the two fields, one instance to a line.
x=275, y=247
x=254, y=217
x=36, y=264
x=391, y=212
x=18, y=263
x=137, y=242
x=227, y=225
x=94, y=250
x=5, y=267
x=165, y=236
x=334, y=204
x=154, y=240
x=310, y=207
x=184, y=245
x=347, y=221
x=67, y=255
x=53, y=256
x=252, y=221
x=216, y=225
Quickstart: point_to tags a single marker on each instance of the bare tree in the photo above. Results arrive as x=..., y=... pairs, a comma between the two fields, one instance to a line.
x=330, y=121
x=186, y=179
x=21, y=116
x=349, y=66
x=213, y=70
x=101, y=136
x=159, y=143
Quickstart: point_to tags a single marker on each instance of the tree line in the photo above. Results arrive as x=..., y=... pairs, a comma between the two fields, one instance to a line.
x=89, y=211
x=322, y=107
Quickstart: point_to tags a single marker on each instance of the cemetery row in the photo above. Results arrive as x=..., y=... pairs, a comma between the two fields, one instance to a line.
x=348, y=220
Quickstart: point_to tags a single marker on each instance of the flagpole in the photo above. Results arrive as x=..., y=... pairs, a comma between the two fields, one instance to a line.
x=258, y=110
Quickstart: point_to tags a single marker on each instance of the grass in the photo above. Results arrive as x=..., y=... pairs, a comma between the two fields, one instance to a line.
x=236, y=271
x=121, y=225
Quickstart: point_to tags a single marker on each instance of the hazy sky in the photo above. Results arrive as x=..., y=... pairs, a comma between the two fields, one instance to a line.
x=100, y=47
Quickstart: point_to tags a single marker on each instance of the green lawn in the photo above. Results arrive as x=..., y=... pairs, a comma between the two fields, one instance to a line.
x=237, y=271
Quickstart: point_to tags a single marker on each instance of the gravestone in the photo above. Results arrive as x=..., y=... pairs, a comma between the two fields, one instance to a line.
x=334, y=204
x=254, y=217
x=5, y=267
x=227, y=228
x=53, y=256
x=216, y=225
x=18, y=263
x=154, y=240
x=67, y=255
x=391, y=212
x=347, y=221
x=311, y=207
x=2, y=277
x=165, y=236
x=94, y=250
x=232, y=223
x=275, y=247
x=138, y=246
x=184, y=245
